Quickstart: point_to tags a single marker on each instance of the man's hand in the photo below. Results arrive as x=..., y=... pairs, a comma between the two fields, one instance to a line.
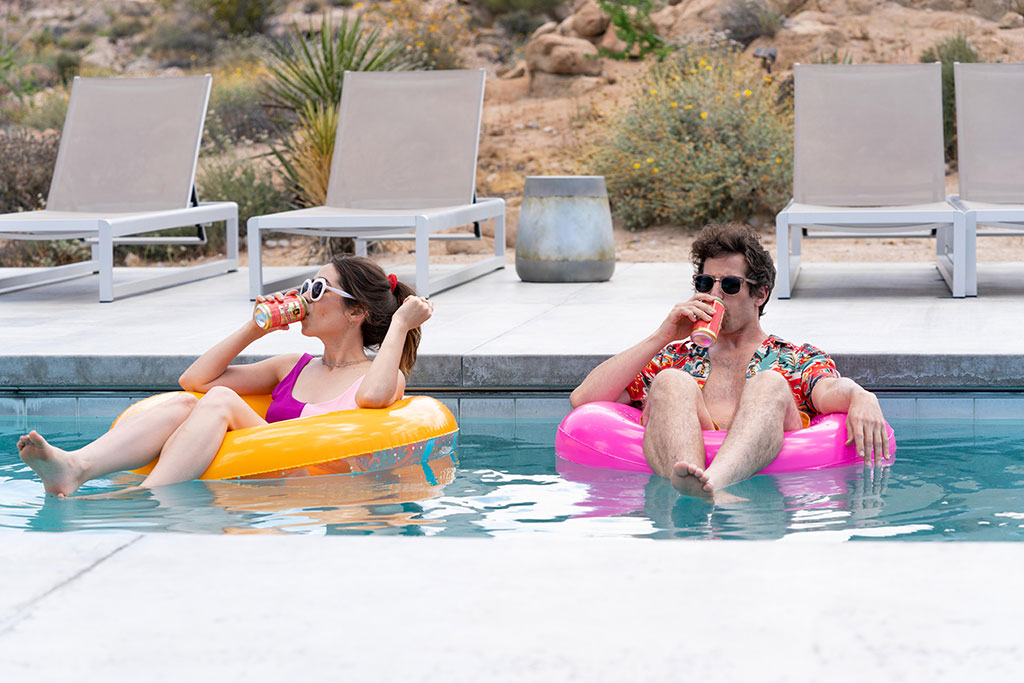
x=680, y=320
x=865, y=426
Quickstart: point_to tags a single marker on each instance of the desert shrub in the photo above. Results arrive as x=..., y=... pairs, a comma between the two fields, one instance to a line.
x=431, y=34
x=955, y=48
x=313, y=69
x=703, y=141
x=67, y=66
x=183, y=41
x=633, y=25
x=45, y=111
x=238, y=16
x=305, y=154
x=746, y=20
x=28, y=159
x=519, y=23
x=124, y=27
x=237, y=108
x=244, y=182
x=74, y=41
x=43, y=253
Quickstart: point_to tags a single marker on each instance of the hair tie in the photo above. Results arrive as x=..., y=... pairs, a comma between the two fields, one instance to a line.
x=393, y=279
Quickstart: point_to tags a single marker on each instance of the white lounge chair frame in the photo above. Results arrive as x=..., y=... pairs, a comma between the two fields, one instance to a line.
x=126, y=166
x=990, y=151
x=404, y=167
x=868, y=161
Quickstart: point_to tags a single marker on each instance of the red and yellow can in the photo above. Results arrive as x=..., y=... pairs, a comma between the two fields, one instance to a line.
x=705, y=332
x=271, y=315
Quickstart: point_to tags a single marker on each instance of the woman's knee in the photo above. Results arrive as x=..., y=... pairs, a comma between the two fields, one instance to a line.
x=219, y=399
x=183, y=403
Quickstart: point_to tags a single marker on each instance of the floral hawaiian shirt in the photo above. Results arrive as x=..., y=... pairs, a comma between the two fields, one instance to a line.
x=802, y=366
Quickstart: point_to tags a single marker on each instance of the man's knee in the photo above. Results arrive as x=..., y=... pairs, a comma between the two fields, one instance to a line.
x=673, y=386
x=769, y=386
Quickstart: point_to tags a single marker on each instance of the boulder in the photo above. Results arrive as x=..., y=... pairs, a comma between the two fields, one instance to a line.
x=590, y=21
x=553, y=85
x=555, y=54
x=1011, y=20
x=543, y=29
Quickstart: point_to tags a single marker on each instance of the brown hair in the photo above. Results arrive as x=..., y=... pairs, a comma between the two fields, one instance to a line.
x=367, y=282
x=720, y=239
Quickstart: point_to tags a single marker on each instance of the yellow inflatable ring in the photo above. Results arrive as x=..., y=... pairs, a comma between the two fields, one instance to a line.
x=413, y=430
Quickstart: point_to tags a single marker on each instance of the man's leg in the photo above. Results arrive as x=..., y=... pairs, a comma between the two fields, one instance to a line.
x=766, y=411
x=674, y=415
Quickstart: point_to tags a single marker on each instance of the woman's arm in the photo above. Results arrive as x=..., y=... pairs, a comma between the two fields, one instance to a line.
x=214, y=369
x=384, y=383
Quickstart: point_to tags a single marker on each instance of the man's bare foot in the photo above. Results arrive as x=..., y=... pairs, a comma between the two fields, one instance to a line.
x=691, y=480
x=60, y=471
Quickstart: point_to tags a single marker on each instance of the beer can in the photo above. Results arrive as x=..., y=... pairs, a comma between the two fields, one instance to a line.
x=705, y=332
x=271, y=315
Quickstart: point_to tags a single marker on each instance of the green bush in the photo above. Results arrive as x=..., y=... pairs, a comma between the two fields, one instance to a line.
x=125, y=27
x=431, y=34
x=46, y=112
x=702, y=141
x=74, y=41
x=67, y=66
x=245, y=183
x=183, y=41
x=956, y=48
x=506, y=6
x=238, y=17
x=747, y=20
x=237, y=110
x=633, y=25
x=519, y=23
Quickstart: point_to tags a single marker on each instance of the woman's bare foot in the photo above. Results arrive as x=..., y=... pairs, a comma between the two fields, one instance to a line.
x=691, y=480
x=60, y=471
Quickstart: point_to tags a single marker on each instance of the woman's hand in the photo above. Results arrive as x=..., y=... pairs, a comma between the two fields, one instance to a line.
x=681, y=319
x=413, y=312
x=276, y=297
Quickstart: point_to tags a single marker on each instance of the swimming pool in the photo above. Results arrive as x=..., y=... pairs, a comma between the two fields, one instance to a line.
x=953, y=480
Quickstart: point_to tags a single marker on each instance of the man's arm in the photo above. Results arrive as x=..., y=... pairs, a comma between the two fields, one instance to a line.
x=608, y=381
x=865, y=424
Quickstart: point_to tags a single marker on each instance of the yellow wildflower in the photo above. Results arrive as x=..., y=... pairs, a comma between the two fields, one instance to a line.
x=636, y=165
x=767, y=79
x=747, y=92
x=778, y=160
x=653, y=91
x=703, y=114
x=672, y=104
x=654, y=170
x=650, y=160
x=687, y=106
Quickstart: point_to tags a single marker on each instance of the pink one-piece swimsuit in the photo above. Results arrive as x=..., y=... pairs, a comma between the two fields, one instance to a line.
x=284, y=406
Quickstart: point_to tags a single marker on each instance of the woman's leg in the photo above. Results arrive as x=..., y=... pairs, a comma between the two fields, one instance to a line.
x=190, y=450
x=134, y=442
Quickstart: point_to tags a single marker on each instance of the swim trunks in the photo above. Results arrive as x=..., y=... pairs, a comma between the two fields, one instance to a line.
x=802, y=366
x=284, y=406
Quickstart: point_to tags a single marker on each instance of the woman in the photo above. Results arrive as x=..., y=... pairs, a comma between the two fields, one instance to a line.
x=353, y=306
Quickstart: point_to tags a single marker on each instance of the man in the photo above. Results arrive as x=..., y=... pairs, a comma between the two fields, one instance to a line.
x=752, y=384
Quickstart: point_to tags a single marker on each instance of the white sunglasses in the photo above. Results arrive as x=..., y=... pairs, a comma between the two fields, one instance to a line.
x=316, y=288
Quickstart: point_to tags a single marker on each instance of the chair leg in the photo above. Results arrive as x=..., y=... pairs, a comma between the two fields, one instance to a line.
x=105, y=251
x=959, y=256
x=971, y=235
x=360, y=247
x=255, y=258
x=231, y=242
x=783, y=284
x=499, y=235
x=422, y=259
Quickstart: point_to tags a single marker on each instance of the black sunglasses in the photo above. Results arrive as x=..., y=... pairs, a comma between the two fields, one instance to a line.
x=730, y=283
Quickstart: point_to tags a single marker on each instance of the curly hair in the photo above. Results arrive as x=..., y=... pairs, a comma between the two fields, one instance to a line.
x=720, y=239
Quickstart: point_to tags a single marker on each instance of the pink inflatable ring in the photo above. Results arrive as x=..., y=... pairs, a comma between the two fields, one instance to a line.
x=604, y=434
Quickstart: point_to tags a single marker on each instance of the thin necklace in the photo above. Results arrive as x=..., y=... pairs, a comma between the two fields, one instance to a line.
x=342, y=364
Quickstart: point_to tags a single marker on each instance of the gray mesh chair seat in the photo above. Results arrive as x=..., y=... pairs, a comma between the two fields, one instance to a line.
x=125, y=167
x=990, y=150
x=404, y=167
x=868, y=161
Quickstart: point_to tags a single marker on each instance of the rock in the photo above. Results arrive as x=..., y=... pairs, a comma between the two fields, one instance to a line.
x=132, y=260
x=555, y=54
x=565, y=28
x=543, y=29
x=549, y=129
x=104, y=54
x=590, y=21
x=993, y=10
x=532, y=125
x=815, y=17
x=37, y=76
x=553, y=85
x=518, y=71
x=610, y=41
x=1011, y=20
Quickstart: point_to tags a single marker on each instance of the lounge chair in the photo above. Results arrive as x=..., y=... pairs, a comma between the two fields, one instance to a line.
x=125, y=166
x=990, y=150
x=404, y=167
x=868, y=161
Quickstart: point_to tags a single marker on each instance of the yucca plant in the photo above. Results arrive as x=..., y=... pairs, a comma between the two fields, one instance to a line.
x=313, y=69
x=308, y=150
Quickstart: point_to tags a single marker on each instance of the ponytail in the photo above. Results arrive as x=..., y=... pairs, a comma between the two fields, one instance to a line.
x=413, y=336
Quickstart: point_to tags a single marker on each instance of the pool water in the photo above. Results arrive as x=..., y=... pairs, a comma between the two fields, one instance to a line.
x=952, y=480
